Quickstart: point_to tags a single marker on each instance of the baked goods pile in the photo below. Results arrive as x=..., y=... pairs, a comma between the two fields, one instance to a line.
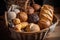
x=34, y=19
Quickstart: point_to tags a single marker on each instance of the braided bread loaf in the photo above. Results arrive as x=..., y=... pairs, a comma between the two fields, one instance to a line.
x=46, y=16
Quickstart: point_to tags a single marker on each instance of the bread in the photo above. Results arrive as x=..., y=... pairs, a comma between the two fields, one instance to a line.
x=20, y=26
x=16, y=21
x=46, y=16
x=30, y=10
x=24, y=24
x=11, y=15
x=17, y=28
x=33, y=18
x=33, y=28
x=36, y=6
x=22, y=16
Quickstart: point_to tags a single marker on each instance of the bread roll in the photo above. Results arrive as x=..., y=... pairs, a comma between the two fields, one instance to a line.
x=17, y=28
x=36, y=6
x=24, y=24
x=11, y=15
x=22, y=16
x=30, y=10
x=16, y=21
x=46, y=16
x=20, y=26
x=33, y=28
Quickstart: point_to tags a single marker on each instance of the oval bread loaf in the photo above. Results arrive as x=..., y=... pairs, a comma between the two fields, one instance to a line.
x=46, y=16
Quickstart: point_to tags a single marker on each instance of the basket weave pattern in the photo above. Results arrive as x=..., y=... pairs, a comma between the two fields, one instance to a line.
x=29, y=36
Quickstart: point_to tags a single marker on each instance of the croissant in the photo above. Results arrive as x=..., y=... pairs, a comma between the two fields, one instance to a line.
x=46, y=16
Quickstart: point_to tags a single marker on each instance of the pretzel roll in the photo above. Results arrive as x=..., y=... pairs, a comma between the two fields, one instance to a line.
x=46, y=16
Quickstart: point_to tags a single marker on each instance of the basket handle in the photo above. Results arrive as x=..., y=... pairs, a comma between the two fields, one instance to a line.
x=6, y=20
x=26, y=3
x=33, y=2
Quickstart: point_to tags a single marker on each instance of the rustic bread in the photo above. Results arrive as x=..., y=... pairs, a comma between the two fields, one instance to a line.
x=46, y=16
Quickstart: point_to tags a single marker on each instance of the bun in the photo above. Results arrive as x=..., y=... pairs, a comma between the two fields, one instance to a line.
x=17, y=28
x=36, y=6
x=16, y=21
x=32, y=28
x=22, y=16
x=24, y=24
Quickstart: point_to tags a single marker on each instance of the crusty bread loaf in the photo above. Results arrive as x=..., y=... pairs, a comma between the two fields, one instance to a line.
x=46, y=16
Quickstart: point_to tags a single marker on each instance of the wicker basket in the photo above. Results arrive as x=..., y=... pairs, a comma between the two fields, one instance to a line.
x=32, y=35
x=28, y=35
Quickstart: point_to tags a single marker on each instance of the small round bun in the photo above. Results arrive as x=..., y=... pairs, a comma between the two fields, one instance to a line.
x=24, y=24
x=16, y=21
x=11, y=15
x=23, y=16
x=36, y=6
x=30, y=10
x=17, y=28
x=33, y=28
x=33, y=18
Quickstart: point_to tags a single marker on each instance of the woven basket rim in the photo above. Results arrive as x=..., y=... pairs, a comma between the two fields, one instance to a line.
x=30, y=32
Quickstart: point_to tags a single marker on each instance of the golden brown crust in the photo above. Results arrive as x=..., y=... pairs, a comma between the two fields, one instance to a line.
x=33, y=27
x=17, y=28
x=46, y=16
x=16, y=21
x=24, y=24
x=23, y=16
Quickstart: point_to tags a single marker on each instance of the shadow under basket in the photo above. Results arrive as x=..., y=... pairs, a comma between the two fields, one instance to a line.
x=32, y=35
